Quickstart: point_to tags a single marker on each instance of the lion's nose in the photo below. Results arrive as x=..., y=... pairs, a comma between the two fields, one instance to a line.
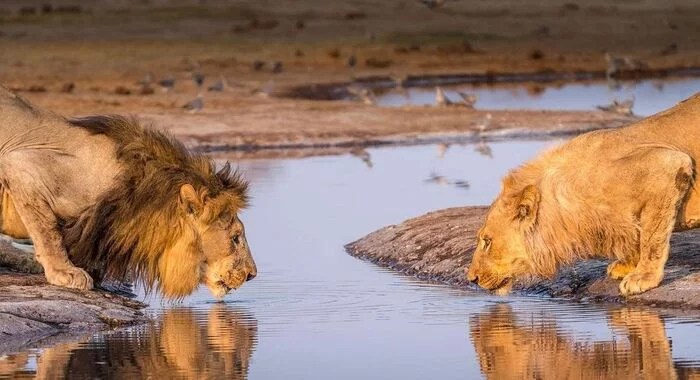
x=251, y=276
x=473, y=277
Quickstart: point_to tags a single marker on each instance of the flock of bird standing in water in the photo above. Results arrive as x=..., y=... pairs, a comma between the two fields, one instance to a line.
x=364, y=93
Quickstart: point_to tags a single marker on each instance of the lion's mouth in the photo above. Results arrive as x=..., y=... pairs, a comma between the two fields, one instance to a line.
x=503, y=287
x=223, y=285
x=219, y=288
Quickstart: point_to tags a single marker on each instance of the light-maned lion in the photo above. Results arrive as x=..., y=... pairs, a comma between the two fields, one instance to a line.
x=616, y=194
x=104, y=196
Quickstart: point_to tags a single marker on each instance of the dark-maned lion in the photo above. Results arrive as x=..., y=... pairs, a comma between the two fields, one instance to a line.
x=614, y=193
x=104, y=196
x=182, y=344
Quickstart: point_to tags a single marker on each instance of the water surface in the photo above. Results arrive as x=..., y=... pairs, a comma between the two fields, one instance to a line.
x=314, y=312
x=650, y=96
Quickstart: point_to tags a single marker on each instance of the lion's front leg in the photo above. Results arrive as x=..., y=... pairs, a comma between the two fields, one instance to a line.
x=617, y=270
x=658, y=218
x=49, y=250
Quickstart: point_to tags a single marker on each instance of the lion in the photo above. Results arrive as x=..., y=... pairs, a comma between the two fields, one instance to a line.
x=183, y=344
x=103, y=198
x=535, y=347
x=616, y=194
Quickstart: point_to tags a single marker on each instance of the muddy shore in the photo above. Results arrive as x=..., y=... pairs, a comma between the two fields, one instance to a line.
x=36, y=314
x=82, y=57
x=438, y=247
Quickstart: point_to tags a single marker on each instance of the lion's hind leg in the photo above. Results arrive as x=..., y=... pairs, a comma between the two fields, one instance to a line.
x=665, y=177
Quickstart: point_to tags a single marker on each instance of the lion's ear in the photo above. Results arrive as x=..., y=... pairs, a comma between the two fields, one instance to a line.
x=528, y=203
x=190, y=200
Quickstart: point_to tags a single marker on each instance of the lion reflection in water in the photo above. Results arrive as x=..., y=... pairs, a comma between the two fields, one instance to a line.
x=183, y=344
x=508, y=349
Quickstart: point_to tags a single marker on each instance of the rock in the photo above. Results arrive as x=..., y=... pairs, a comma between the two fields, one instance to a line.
x=32, y=311
x=438, y=247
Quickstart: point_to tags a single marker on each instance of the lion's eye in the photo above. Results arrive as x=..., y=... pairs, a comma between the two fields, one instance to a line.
x=486, y=242
x=236, y=239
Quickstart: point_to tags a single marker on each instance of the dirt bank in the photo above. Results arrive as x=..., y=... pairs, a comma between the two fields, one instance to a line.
x=271, y=127
x=80, y=57
x=34, y=313
x=306, y=124
x=438, y=247
x=101, y=44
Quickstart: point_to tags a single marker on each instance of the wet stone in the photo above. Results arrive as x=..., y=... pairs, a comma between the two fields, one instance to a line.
x=32, y=311
x=446, y=252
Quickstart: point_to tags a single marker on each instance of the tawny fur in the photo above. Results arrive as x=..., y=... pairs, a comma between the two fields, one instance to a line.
x=118, y=199
x=615, y=194
x=132, y=226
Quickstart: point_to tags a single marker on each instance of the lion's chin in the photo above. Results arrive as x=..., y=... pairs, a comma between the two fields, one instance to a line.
x=218, y=291
x=220, y=288
x=504, y=287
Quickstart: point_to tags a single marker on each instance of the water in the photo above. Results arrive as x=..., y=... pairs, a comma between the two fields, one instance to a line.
x=651, y=96
x=314, y=312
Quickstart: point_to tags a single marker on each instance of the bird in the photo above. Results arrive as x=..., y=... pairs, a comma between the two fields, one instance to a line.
x=462, y=184
x=198, y=78
x=364, y=155
x=484, y=124
x=615, y=64
x=441, y=100
x=620, y=107
x=266, y=91
x=352, y=61
x=277, y=67
x=167, y=84
x=437, y=178
x=146, y=81
x=432, y=4
x=366, y=95
x=468, y=100
x=669, y=24
x=670, y=49
x=194, y=105
x=442, y=150
x=484, y=149
x=258, y=65
x=399, y=80
x=220, y=85
x=658, y=85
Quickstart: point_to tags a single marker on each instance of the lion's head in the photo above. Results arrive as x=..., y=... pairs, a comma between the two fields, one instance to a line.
x=540, y=222
x=215, y=237
x=171, y=220
x=503, y=251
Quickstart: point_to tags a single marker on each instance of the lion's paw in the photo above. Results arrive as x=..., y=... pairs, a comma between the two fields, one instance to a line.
x=639, y=282
x=70, y=277
x=617, y=270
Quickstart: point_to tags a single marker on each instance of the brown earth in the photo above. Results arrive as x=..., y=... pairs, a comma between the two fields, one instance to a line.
x=438, y=247
x=79, y=57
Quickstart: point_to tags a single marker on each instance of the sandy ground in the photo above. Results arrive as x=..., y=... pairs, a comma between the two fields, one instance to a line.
x=438, y=247
x=80, y=57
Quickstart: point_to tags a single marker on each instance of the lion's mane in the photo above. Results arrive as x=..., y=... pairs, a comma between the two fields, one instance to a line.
x=568, y=227
x=130, y=227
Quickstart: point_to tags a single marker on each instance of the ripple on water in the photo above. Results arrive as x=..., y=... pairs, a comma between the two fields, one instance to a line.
x=314, y=312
